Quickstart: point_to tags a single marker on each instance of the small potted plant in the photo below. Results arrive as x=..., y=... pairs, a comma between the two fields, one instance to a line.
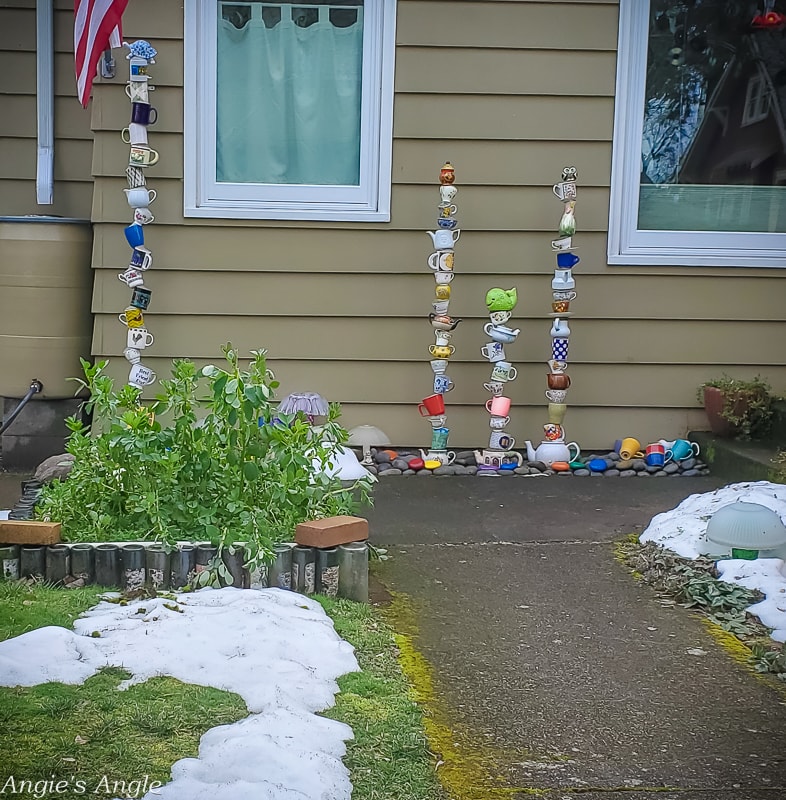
x=737, y=408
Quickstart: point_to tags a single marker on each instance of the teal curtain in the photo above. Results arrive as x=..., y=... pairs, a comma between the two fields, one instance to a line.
x=288, y=101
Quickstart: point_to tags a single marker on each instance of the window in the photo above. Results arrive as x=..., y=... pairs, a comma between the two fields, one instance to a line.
x=288, y=109
x=699, y=137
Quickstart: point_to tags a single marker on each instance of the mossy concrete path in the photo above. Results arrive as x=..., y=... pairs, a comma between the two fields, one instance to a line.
x=546, y=669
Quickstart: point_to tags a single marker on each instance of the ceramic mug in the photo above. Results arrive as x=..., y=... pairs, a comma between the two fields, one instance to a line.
x=141, y=298
x=134, y=134
x=558, y=380
x=498, y=423
x=132, y=317
x=142, y=156
x=142, y=113
x=656, y=448
x=564, y=191
x=442, y=277
x=137, y=69
x=500, y=317
x=139, y=92
x=447, y=192
x=563, y=280
x=441, y=351
x=141, y=197
x=655, y=455
x=560, y=328
x=556, y=412
x=564, y=243
x=432, y=406
x=503, y=371
x=442, y=259
x=553, y=432
x=493, y=351
x=141, y=376
x=438, y=420
x=557, y=366
x=442, y=384
x=498, y=406
x=439, y=438
x=442, y=338
x=131, y=277
x=442, y=291
x=559, y=348
x=682, y=449
x=139, y=338
x=630, y=448
x=132, y=355
x=495, y=387
x=143, y=216
x=556, y=395
x=439, y=365
x=447, y=210
x=135, y=236
x=135, y=177
x=499, y=440
x=567, y=260
x=440, y=306
x=560, y=295
x=141, y=258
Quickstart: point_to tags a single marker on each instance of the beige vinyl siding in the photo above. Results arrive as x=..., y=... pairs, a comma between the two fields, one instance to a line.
x=510, y=92
x=73, y=138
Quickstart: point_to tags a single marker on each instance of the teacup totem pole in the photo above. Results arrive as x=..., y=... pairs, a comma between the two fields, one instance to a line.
x=139, y=198
x=500, y=454
x=553, y=449
x=441, y=263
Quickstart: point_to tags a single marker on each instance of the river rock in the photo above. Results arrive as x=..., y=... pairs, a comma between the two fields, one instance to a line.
x=538, y=465
x=400, y=463
x=704, y=471
x=581, y=473
x=691, y=473
x=445, y=469
x=567, y=474
x=521, y=470
x=671, y=467
x=612, y=473
x=425, y=472
x=371, y=468
x=466, y=456
x=629, y=473
x=54, y=468
x=643, y=475
x=487, y=473
x=652, y=470
x=470, y=470
x=624, y=464
x=661, y=473
x=688, y=463
x=382, y=457
x=614, y=456
x=391, y=471
x=638, y=464
x=596, y=474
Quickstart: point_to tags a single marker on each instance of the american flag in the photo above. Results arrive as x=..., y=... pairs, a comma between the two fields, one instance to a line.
x=96, y=28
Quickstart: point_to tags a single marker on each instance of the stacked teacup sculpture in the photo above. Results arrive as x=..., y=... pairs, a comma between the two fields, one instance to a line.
x=139, y=198
x=499, y=455
x=553, y=450
x=441, y=263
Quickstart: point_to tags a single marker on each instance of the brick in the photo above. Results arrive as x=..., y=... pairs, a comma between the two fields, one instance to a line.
x=19, y=531
x=331, y=531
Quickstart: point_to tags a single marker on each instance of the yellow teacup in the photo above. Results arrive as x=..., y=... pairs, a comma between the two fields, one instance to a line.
x=631, y=448
x=556, y=412
x=442, y=350
x=442, y=291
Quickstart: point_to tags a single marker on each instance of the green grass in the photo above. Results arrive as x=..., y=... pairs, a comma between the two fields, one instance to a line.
x=388, y=758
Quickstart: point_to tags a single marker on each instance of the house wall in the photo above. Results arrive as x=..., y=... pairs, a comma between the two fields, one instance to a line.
x=510, y=92
x=73, y=138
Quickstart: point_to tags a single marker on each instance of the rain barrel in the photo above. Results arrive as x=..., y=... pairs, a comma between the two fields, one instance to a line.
x=45, y=295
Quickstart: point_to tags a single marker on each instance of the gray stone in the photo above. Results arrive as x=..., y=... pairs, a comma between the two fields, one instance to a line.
x=539, y=465
x=661, y=473
x=691, y=473
x=671, y=467
x=382, y=458
x=391, y=471
x=629, y=473
x=699, y=464
x=408, y=472
x=464, y=462
x=638, y=464
x=609, y=463
x=613, y=456
x=471, y=470
x=424, y=472
x=596, y=474
x=487, y=473
x=535, y=471
x=612, y=473
x=445, y=469
x=567, y=474
x=54, y=468
x=371, y=468
x=625, y=464
x=688, y=463
x=466, y=454
x=704, y=471
x=384, y=467
x=400, y=463
x=643, y=474
x=507, y=473
x=582, y=473
x=652, y=470
x=521, y=470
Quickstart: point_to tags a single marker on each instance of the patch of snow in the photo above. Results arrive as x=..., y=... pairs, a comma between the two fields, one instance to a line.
x=278, y=650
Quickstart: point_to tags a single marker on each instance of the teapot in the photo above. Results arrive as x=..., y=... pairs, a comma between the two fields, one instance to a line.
x=560, y=329
x=500, y=333
x=444, y=457
x=495, y=459
x=549, y=452
x=444, y=322
x=444, y=239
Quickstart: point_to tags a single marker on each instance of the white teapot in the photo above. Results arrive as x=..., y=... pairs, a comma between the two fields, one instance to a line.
x=560, y=328
x=444, y=239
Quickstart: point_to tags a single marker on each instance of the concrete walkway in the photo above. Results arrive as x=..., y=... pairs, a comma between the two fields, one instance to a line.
x=553, y=667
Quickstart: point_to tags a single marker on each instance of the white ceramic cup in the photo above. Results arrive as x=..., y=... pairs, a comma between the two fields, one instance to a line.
x=498, y=423
x=140, y=198
x=141, y=376
x=563, y=280
x=447, y=192
x=141, y=258
x=439, y=365
x=495, y=387
x=442, y=260
x=131, y=277
x=440, y=306
x=443, y=277
x=132, y=354
x=493, y=351
x=438, y=421
x=134, y=133
x=442, y=338
x=556, y=395
x=500, y=317
x=499, y=440
x=139, y=338
x=503, y=371
x=142, y=215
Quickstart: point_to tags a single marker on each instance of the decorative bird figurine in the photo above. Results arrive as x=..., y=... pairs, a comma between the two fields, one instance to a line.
x=501, y=299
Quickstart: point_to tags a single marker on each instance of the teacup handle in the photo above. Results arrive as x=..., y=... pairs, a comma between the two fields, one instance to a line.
x=512, y=374
x=151, y=195
x=557, y=189
x=575, y=456
x=488, y=406
x=421, y=409
x=669, y=457
x=695, y=447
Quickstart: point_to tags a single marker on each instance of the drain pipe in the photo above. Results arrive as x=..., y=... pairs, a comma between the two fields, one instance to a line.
x=35, y=387
x=45, y=102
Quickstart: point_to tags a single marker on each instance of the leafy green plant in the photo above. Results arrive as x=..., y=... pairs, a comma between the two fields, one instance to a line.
x=225, y=468
x=746, y=408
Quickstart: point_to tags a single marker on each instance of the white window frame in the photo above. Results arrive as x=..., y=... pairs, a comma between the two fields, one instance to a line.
x=205, y=197
x=627, y=244
x=757, y=100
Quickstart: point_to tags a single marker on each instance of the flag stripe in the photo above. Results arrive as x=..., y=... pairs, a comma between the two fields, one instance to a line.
x=96, y=22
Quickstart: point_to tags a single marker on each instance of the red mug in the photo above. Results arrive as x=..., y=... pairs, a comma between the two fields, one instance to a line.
x=655, y=448
x=432, y=406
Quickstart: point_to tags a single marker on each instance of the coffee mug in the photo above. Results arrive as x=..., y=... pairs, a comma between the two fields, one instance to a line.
x=567, y=260
x=630, y=448
x=495, y=387
x=556, y=412
x=137, y=69
x=132, y=317
x=564, y=243
x=442, y=291
x=439, y=438
x=442, y=259
x=135, y=177
x=499, y=440
x=441, y=306
x=493, y=351
x=439, y=365
x=141, y=197
x=142, y=216
x=442, y=384
x=498, y=423
x=441, y=351
x=498, y=406
x=503, y=371
x=654, y=459
x=656, y=448
x=556, y=395
x=560, y=307
x=557, y=366
x=131, y=277
x=438, y=420
x=141, y=156
x=553, y=432
x=139, y=338
x=565, y=191
x=558, y=380
x=442, y=277
x=141, y=376
x=141, y=258
x=563, y=280
x=442, y=338
x=682, y=449
x=141, y=297
x=447, y=192
x=500, y=317
x=135, y=236
x=134, y=134
x=560, y=295
x=447, y=223
x=139, y=92
x=142, y=113
x=447, y=209
x=559, y=348
x=432, y=405
x=132, y=355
